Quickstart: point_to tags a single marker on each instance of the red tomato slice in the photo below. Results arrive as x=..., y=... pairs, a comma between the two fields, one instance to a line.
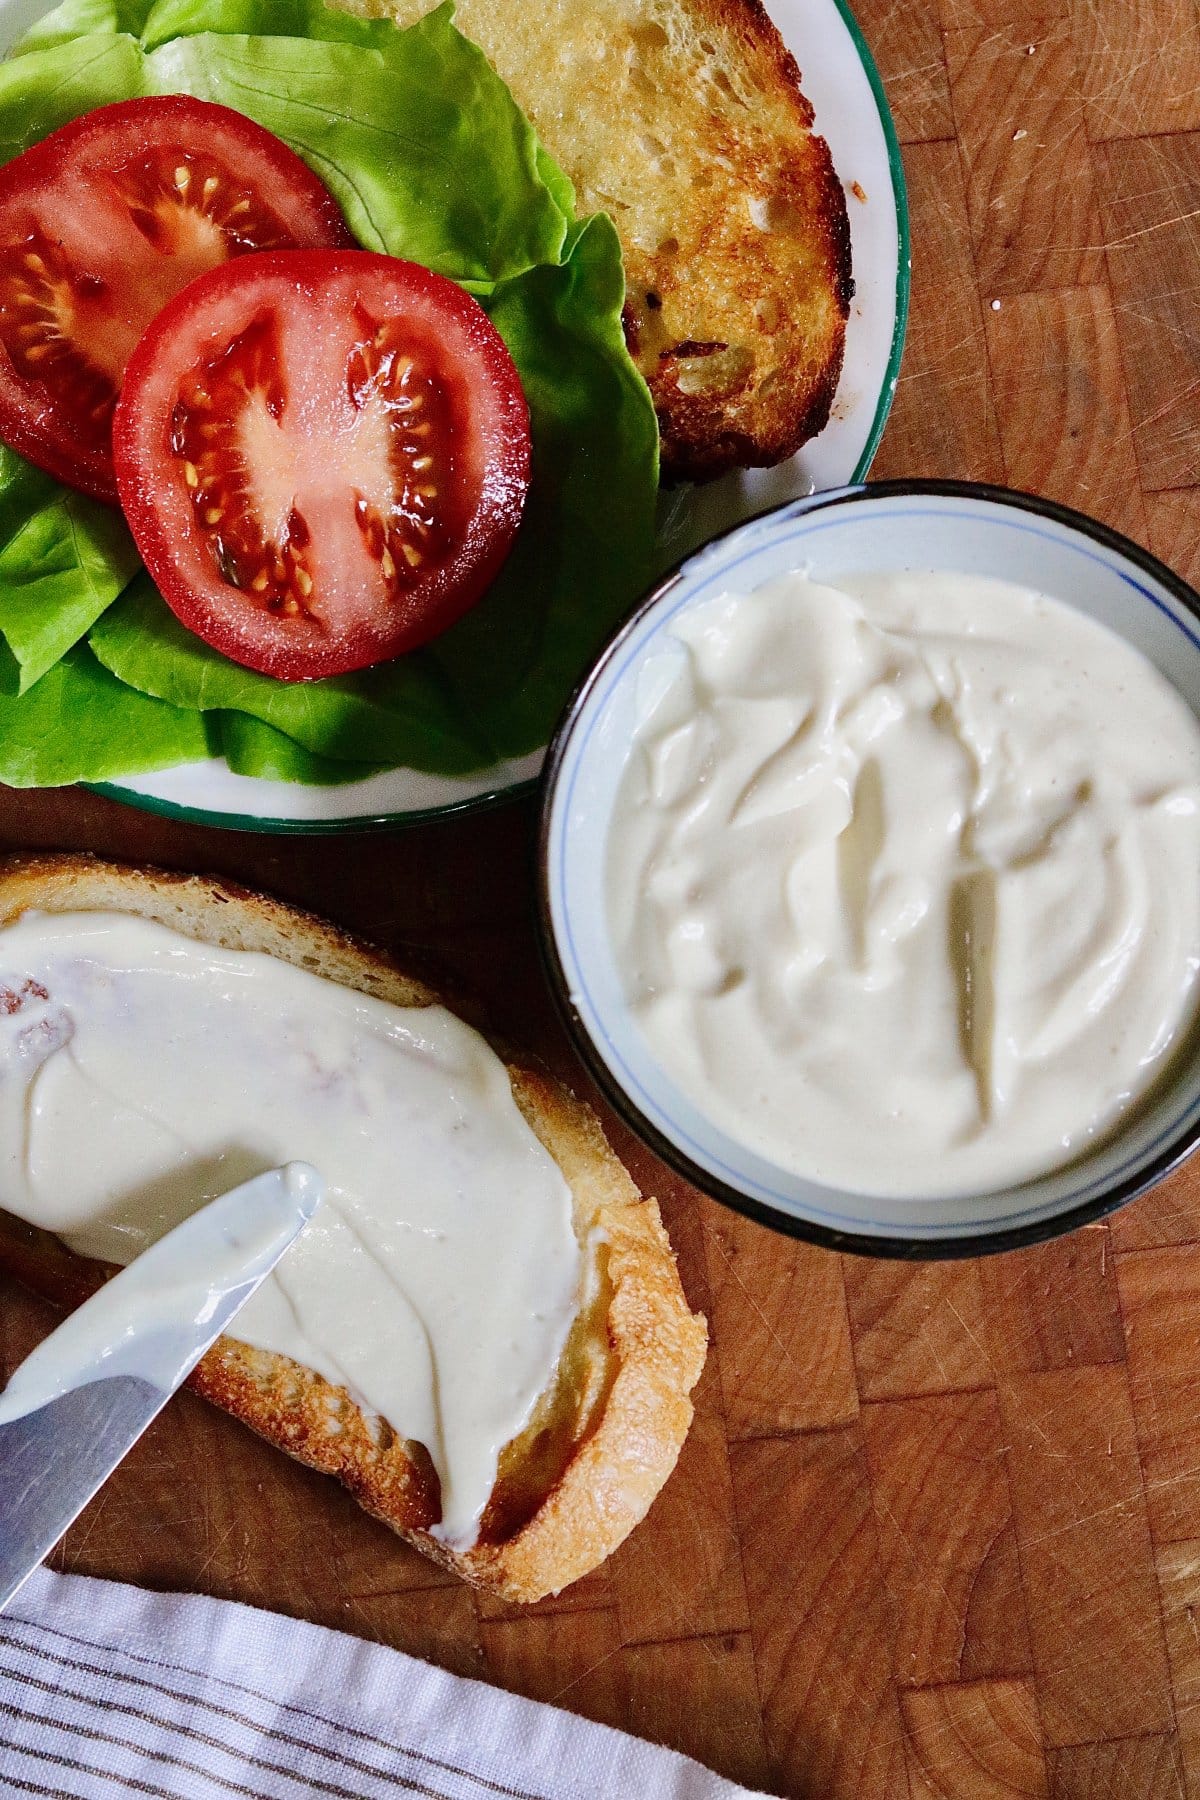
x=323, y=456
x=100, y=224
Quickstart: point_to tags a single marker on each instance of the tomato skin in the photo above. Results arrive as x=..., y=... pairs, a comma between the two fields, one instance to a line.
x=95, y=237
x=352, y=574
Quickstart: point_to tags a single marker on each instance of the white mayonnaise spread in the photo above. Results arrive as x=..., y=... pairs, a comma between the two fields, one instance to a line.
x=142, y=1073
x=904, y=877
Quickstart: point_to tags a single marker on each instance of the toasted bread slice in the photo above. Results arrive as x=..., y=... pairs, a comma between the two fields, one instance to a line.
x=607, y=1431
x=684, y=120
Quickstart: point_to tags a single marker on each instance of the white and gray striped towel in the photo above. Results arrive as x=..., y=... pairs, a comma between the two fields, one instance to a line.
x=106, y=1690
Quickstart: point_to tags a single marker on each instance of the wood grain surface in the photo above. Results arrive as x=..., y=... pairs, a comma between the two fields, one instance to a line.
x=936, y=1531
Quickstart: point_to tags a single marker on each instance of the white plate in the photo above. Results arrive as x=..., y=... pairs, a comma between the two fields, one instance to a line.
x=841, y=80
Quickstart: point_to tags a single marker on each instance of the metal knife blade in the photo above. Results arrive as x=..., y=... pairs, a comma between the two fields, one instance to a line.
x=85, y=1395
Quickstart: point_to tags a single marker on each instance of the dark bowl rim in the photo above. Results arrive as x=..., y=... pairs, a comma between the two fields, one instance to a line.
x=911, y=1249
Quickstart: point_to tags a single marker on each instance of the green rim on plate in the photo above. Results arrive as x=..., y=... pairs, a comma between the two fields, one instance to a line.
x=192, y=815
x=367, y=822
x=887, y=392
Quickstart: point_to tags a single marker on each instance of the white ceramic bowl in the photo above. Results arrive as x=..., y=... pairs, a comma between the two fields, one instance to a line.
x=891, y=526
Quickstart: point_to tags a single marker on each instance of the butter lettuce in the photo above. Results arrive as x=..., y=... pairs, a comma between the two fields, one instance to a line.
x=403, y=709
x=583, y=562
x=48, y=88
x=252, y=748
x=63, y=560
x=432, y=160
x=78, y=721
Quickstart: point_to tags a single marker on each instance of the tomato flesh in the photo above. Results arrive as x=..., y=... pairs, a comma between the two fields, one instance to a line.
x=323, y=457
x=100, y=225
x=252, y=493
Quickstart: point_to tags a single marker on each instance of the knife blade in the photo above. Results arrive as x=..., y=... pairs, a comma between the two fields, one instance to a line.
x=84, y=1396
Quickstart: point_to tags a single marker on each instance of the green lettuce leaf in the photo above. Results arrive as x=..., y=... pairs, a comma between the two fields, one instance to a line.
x=252, y=748
x=83, y=18
x=48, y=88
x=514, y=662
x=23, y=489
x=79, y=724
x=400, y=712
x=63, y=560
x=156, y=21
x=311, y=19
x=432, y=160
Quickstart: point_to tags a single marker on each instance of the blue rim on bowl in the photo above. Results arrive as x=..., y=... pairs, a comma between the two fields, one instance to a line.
x=1127, y=588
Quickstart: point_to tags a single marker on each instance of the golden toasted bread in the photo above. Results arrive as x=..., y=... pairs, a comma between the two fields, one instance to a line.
x=606, y=1432
x=684, y=120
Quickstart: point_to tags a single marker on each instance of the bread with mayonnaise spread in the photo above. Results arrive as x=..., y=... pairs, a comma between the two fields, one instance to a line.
x=608, y=1428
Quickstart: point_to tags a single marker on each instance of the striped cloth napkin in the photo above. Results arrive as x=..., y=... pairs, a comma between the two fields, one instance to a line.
x=108, y=1691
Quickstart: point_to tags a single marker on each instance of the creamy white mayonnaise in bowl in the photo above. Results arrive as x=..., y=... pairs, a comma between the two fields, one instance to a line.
x=870, y=866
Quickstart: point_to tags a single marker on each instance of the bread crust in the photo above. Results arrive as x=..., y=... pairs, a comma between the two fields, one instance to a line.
x=789, y=397
x=606, y=1434
x=685, y=121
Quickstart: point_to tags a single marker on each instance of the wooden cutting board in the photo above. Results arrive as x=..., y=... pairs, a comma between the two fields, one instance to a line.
x=936, y=1531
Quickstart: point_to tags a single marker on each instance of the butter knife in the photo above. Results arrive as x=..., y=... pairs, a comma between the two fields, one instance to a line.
x=85, y=1395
